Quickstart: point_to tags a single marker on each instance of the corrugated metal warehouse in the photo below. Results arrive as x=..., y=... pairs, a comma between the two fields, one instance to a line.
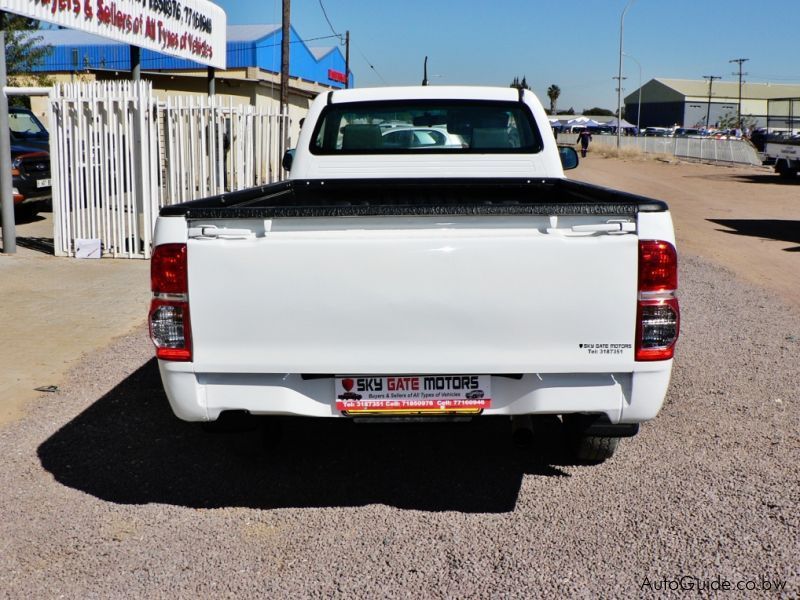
x=685, y=102
x=252, y=75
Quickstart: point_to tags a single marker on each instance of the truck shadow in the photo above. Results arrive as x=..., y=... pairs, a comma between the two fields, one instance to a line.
x=128, y=448
x=768, y=178
x=773, y=229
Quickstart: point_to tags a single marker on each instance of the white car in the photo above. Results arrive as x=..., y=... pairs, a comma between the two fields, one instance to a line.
x=421, y=137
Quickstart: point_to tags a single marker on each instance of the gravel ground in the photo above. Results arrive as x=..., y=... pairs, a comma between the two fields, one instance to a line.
x=104, y=494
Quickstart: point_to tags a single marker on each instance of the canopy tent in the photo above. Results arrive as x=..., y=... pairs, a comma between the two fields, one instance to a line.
x=583, y=122
x=624, y=124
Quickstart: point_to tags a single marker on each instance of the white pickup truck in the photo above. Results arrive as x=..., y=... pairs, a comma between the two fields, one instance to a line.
x=427, y=258
x=785, y=154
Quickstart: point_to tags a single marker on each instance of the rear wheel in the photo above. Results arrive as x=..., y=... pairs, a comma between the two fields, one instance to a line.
x=785, y=170
x=593, y=449
x=233, y=421
x=584, y=447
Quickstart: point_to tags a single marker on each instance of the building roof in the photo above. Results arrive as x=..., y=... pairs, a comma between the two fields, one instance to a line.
x=730, y=89
x=319, y=52
x=73, y=37
x=250, y=33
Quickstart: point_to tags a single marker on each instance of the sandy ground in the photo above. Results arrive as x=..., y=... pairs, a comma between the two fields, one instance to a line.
x=746, y=219
x=105, y=494
x=54, y=309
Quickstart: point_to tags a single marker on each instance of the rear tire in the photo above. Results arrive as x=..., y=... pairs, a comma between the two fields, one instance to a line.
x=783, y=169
x=233, y=421
x=591, y=449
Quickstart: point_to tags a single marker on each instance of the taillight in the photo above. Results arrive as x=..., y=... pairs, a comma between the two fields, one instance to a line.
x=658, y=314
x=168, y=273
x=170, y=327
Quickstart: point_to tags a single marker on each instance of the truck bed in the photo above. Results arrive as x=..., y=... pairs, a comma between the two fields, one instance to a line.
x=416, y=197
x=398, y=276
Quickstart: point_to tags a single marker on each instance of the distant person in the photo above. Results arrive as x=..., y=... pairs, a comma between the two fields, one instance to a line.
x=584, y=137
x=555, y=133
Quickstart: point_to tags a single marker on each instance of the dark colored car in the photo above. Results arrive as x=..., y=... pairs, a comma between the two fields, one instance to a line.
x=349, y=396
x=30, y=161
x=474, y=395
x=687, y=132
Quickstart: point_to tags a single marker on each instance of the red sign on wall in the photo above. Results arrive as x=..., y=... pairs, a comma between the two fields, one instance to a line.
x=337, y=76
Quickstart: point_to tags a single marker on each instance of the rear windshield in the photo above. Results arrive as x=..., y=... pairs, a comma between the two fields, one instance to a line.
x=24, y=125
x=426, y=126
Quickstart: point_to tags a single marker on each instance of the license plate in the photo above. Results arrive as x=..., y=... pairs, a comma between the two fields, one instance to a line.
x=402, y=394
x=40, y=183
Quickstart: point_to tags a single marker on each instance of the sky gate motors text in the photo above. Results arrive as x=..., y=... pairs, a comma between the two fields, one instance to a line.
x=432, y=383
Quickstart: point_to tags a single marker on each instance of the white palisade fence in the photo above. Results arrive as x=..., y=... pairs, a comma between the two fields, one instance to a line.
x=118, y=155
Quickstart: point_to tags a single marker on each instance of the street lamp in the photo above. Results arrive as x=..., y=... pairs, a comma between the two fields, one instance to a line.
x=619, y=74
x=639, y=110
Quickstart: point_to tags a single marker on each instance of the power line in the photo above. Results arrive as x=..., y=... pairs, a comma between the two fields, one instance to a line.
x=333, y=29
x=371, y=66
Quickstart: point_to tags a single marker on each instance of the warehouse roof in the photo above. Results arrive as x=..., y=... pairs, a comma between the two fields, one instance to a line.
x=730, y=89
x=73, y=37
x=247, y=46
x=322, y=51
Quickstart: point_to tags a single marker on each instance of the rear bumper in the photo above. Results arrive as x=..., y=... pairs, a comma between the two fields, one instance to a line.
x=622, y=397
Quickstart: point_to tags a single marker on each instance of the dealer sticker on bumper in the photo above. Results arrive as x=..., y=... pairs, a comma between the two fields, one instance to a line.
x=414, y=394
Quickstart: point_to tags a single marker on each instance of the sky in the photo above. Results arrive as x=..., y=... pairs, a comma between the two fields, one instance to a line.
x=574, y=45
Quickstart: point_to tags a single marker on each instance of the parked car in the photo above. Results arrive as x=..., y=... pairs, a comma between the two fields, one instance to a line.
x=657, y=132
x=32, y=184
x=421, y=137
x=30, y=161
x=687, y=132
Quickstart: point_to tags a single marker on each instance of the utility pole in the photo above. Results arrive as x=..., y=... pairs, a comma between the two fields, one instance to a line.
x=347, y=59
x=711, y=79
x=739, y=112
x=285, y=34
x=6, y=181
x=619, y=73
x=136, y=63
x=212, y=81
x=619, y=111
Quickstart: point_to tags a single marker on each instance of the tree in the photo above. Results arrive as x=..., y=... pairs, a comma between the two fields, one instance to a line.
x=24, y=52
x=730, y=120
x=597, y=111
x=553, y=92
x=520, y=85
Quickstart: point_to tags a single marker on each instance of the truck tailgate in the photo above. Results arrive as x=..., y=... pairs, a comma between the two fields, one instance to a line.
x=411, y=295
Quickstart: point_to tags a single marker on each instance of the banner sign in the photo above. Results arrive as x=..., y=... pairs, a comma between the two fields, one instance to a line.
x=192, y=29
x=337, y=76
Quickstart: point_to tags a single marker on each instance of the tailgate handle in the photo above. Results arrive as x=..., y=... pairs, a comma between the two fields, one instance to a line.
x=610, y=227
x=212, y=232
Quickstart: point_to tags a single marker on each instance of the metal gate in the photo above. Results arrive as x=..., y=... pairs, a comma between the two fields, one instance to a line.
x=118, y=155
